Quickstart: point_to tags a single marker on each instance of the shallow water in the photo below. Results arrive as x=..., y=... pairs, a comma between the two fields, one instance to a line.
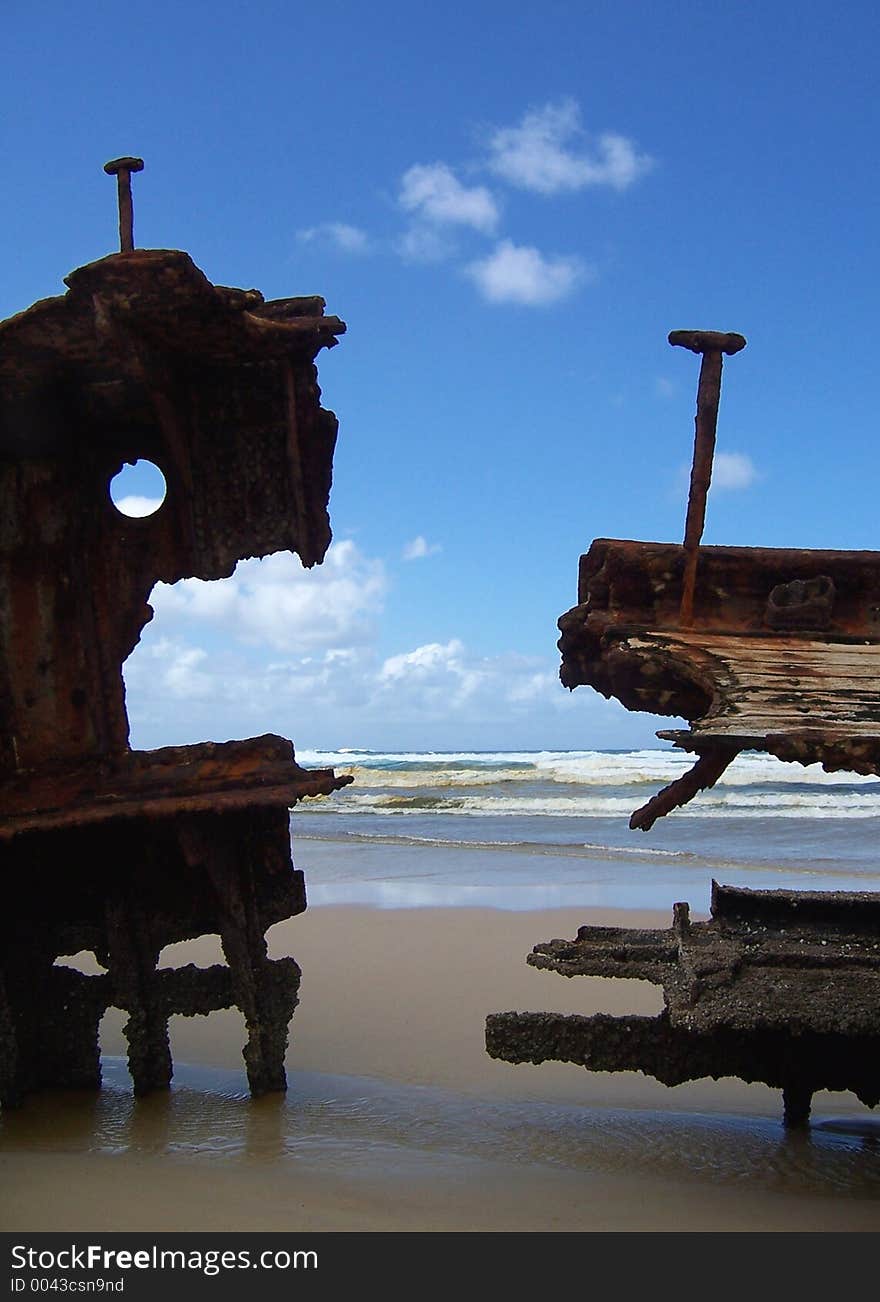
x=404, y=872
x=344, y=1123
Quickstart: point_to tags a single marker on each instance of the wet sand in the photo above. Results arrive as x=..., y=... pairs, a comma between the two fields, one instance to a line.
x=396, y=1118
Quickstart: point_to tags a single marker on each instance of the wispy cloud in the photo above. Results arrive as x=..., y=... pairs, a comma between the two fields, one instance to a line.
x=434, y=193
x=521, y=274
x=419, y=548
x=733, y=470
x=350, y=239
x=546, y=152
x=425, y=242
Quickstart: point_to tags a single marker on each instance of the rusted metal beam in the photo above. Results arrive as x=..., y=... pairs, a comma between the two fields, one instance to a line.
x=713, y=761
x=712, y=345
x=220, y=776
x=122, y=169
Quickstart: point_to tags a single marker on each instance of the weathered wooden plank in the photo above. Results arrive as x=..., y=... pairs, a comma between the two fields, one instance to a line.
x=777, y=661
x=806, y=690
x=866, y=683
x=757, y=727
x=846, y=695
x=772, y=650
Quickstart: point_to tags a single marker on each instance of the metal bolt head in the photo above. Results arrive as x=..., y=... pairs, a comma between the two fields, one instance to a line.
x=117, y=165
x=707, y=341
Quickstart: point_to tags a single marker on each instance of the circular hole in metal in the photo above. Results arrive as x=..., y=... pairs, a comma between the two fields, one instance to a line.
x=138, y=490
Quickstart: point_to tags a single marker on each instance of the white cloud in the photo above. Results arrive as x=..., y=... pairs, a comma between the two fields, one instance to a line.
x=424, y=243
x=438, y=695
x=279, y=649
x=420, y=547
x=350, y=239
x=433, y=192
x=665, y=388
x=277, y=602
x=137, y=506
x=436, y=676
x=521, y=274
x=424, y=663
x=733, y=470
x=544, y=153
x=182, y=676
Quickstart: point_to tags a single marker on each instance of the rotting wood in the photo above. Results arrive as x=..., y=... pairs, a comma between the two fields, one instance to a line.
x=103, y=848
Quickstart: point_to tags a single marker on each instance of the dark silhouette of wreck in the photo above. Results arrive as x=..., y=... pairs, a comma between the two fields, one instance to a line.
x=760, y=649
x=104, y=848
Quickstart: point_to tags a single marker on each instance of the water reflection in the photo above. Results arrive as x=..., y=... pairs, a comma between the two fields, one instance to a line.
x=329, y=1123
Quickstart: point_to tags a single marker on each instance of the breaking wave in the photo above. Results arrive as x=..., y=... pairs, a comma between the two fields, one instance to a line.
x=709, y=804
x=581, y=768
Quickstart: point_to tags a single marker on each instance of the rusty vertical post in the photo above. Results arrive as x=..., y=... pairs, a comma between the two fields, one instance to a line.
x=122, y=169
x=711, y=344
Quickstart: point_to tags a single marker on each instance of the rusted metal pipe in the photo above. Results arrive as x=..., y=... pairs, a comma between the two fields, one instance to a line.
x=122, y=169
x=711, y=344
x=705, y=773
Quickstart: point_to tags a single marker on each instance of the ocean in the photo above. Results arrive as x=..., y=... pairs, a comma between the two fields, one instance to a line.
x=546, y=829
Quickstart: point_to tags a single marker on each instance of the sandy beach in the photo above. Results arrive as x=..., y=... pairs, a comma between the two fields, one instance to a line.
x=396, y=1118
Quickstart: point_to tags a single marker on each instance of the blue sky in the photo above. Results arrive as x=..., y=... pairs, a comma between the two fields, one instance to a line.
x=510, y=205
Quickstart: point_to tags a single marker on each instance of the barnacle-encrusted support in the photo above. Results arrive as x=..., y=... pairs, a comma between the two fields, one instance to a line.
x=778, y=986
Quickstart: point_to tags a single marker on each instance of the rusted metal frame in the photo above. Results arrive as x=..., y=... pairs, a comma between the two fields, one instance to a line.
x=101, y=661
x=49, y=1024
x=798, y=1065
x=266, y=1006
x=11, y=1090
x=294, y=451
x=739, y=992
x=705, y=773
x=218, y=776
x=133, y=957
x=155, y=374
x=160, y=380
x=121, y=301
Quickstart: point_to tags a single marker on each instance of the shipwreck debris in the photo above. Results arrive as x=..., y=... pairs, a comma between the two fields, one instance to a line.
x=122, y=169
x=104, y=848
x=712, y=346
x=781, y=987
x=758, y=648
x=761, y=649
x=745, y=676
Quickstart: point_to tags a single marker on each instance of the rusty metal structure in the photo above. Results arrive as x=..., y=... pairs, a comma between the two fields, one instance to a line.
x=781, y=987
x=759, y=649
x=104, y=848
